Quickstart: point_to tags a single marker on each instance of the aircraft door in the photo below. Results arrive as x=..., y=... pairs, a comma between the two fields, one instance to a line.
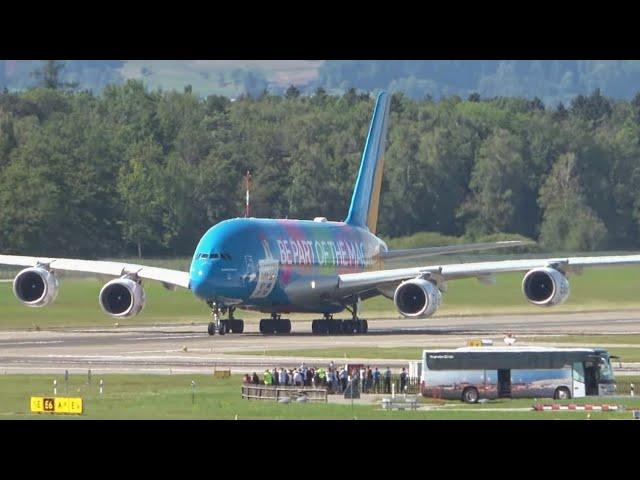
x=267, y=273
x=251, y=268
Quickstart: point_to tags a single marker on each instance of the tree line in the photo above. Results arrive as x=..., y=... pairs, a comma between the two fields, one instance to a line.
x=148, y=172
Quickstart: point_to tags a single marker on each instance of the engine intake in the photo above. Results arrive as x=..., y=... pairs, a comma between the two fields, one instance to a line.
x=36, y=287
x=417, y=298
x=545, y=287
x=122, y=298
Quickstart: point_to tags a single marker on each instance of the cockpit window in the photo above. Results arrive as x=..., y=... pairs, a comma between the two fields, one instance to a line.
x=213, y=256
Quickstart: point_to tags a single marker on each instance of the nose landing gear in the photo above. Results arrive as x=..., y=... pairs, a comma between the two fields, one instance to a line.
x=231, y=325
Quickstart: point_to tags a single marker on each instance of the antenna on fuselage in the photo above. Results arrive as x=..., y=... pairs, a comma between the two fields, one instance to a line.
x=247, y=208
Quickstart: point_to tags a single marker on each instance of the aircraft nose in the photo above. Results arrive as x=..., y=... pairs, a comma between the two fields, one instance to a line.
x=199, y=280
x=199, y=288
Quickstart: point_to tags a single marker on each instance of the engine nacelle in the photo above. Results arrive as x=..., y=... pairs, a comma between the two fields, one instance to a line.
x=417, y=298
x=122, y=298
x=36, y=287
x=545, y=287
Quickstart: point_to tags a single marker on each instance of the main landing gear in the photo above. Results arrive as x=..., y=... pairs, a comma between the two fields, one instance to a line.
x=275, y=325
x=329, y=326
x=222, y=326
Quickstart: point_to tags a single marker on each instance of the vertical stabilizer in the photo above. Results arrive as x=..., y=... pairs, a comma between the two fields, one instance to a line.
x=366, y=194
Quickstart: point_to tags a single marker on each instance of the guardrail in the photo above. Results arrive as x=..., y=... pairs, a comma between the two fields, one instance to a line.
x=270, y=392
x=400, y=403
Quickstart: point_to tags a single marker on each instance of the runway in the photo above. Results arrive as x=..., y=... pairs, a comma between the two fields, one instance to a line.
x=174, y=349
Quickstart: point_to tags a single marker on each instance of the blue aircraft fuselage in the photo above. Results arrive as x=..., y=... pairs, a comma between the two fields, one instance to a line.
x=280, y=266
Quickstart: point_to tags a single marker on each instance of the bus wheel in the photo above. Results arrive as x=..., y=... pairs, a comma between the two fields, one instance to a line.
x=470, y=395
x=562, y=393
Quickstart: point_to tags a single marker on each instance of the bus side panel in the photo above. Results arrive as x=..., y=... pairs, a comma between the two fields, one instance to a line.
x=449, y=384
x=540, y=382
x=490, y=385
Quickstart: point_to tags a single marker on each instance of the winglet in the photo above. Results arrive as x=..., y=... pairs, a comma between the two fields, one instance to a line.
x=366, y=194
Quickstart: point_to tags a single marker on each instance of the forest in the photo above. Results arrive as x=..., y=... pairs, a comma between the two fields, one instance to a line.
x=147, y=172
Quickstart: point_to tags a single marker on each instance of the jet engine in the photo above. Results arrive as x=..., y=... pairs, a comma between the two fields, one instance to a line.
x=417, y=298
x=35, y=287
x=545, y=287
x=122, y=298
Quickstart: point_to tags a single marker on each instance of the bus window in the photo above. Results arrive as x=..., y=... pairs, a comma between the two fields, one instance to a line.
x=578, y=372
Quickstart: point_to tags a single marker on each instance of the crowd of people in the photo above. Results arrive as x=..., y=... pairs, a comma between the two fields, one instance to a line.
x=334, y=379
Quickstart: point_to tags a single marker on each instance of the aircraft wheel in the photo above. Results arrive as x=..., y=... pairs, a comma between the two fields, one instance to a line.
x=361, y=326
x=211, y=328
x=265, y=326
x=335, y=327
x=237, y=326
x=285, y=326
x=319, y=327
x=224, y=327
x=348, y=327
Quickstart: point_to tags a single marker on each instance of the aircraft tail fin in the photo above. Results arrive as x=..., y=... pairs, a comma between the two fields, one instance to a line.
x=363, y=211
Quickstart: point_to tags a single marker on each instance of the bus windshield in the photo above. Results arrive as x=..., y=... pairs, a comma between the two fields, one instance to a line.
x=606, y=372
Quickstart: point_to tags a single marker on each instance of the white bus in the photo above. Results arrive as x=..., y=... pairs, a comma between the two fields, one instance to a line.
x=472, y=373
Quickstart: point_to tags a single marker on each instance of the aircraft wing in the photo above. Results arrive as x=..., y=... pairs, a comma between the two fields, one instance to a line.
x=170, y=278
x=352, y=282
x=414, y=253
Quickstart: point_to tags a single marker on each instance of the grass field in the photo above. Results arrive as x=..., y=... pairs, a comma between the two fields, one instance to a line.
x=170, y=397
x=77, y=303
x=629, y=354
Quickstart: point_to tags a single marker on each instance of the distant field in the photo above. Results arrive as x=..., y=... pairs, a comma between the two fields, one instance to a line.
x=594, y=340
x=376, y=354
x=170, y=397
x=77, y=303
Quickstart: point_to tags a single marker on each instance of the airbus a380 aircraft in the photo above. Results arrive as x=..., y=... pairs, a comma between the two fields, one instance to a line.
x=317, y=266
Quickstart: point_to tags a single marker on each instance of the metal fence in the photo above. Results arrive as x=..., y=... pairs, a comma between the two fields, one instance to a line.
x=273, y=393
x=624, y=388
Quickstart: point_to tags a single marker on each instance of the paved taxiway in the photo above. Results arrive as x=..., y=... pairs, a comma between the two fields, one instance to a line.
x=186, y=348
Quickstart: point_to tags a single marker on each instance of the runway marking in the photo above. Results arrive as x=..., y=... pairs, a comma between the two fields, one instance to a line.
x=162, y=337
x=41, y=342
